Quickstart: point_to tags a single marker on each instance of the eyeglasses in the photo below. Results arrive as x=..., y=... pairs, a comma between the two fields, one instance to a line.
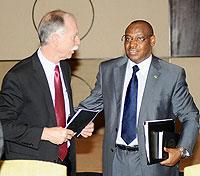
x=129, y=39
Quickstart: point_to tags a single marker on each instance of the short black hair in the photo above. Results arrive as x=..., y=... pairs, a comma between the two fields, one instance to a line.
x=149, y=26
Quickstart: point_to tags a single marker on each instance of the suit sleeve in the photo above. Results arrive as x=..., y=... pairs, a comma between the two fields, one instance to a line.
x=185, y=109
x=95, y=100
x=11, y=107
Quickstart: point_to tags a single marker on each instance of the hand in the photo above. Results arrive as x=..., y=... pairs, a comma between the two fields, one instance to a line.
x=57, y=135
x=87, y=131
x=174, y=156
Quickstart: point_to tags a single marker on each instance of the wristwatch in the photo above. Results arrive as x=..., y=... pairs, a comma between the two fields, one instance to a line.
x=183, y=152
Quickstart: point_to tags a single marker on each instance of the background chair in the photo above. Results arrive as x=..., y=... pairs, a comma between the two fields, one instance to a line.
x=31, y=168
x=88, y=174
x=193, y=170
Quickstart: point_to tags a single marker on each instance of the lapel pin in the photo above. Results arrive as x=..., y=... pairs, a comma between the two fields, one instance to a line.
x=155, y=76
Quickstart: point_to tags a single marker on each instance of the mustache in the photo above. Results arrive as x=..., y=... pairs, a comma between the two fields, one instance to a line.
x=75, y=48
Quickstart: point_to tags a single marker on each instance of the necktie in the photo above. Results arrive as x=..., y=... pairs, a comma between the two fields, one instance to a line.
x=60, y=110
x=130, y=109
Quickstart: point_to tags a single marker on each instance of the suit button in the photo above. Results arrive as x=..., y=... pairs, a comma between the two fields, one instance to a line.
x=112, y=150
x=116, y=129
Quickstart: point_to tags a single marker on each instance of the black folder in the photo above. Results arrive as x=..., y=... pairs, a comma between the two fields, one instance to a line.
x=159, y=134
x=81, y=119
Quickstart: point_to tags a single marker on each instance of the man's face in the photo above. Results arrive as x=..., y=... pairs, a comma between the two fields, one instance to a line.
x=68, y=40
x=137, y=42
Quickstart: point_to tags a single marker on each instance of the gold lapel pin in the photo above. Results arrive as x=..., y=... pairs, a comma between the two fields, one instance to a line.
x=155, y=76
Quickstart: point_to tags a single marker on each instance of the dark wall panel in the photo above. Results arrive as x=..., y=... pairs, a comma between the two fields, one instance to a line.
x=185, y=27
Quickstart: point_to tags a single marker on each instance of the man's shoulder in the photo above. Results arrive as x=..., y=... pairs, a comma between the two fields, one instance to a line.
x=24, y=62
x=114, y=61
x=23, y=66
x=164, y=63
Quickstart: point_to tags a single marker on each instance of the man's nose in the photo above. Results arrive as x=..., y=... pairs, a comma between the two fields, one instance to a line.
x=78, y=41
x=133, y=43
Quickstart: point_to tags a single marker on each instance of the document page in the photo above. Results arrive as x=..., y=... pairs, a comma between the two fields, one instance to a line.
x=81, y=119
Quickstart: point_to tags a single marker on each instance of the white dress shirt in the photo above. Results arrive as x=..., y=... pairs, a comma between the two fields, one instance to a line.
x=142, y=76
x=49, y=72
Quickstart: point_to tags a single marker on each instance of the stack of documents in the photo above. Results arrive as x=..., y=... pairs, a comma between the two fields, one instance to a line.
x=159, y=134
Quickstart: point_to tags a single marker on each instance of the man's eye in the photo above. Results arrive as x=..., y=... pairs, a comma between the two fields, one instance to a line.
x=140, y=39
x=128, y=39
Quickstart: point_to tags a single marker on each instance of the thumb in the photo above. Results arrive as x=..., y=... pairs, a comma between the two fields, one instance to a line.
x=166, y=149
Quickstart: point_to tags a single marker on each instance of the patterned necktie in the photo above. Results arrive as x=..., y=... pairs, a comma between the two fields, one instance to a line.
x=130, y=109
x=60, y=110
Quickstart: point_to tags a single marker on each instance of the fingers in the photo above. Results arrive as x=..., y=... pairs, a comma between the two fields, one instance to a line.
x=68, y=135
x=86, y=134
x=90, y=125
x=88, y=130
x=57, y=135
x=174, y=157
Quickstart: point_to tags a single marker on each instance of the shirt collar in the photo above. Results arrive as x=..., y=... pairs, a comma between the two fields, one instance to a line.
x=143, y=66
x=47, y=65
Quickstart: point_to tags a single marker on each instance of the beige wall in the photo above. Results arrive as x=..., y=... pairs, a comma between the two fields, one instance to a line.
x=191, y=65
x=19, y=39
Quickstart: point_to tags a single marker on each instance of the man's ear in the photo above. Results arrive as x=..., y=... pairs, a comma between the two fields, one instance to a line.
x=54, y=39
x=153, y=40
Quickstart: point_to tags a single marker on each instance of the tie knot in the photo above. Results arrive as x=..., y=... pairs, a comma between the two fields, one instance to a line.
x=135, y=68
x=56, y=68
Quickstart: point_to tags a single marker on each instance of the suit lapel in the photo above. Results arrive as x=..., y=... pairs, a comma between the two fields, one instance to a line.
x=150, y=89
x=119, y=75
x=66, y=71
x=43, y=83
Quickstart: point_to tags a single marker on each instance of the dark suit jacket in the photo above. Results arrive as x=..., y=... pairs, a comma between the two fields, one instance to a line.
x=26, y=107
x=165, y=96
x=1, y=140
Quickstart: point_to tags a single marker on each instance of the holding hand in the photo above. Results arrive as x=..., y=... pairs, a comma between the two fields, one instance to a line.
x=57, y=135
x=88, y=130
x=174, y=156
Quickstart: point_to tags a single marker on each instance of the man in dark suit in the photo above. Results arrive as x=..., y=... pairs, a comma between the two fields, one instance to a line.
x=162, y=93
x=1, y=140
x=28, y=110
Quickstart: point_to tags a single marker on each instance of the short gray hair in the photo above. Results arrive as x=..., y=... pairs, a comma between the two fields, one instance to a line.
x=50, y=23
